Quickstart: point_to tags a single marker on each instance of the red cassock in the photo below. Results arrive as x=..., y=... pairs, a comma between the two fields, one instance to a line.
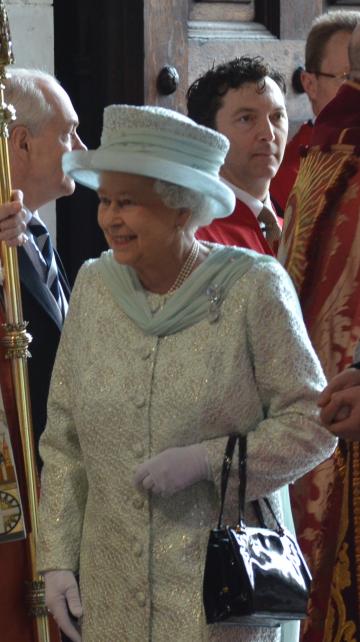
x=15, y=568
x=282, y=184
x=241, y=228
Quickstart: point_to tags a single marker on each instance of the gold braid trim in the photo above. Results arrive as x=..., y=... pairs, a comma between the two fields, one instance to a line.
x=341, y=457
x=336, y=610
x=355, y=446
x=319, y=175
x=338, y=628
x=343, y=134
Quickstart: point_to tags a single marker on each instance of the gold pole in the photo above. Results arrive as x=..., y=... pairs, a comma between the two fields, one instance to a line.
x=16, y=341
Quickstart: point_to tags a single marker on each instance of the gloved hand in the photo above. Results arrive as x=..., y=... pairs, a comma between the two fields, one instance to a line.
x=173, y=470
x=61, y=597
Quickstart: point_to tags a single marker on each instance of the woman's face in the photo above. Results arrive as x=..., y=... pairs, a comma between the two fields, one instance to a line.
x=138, y=227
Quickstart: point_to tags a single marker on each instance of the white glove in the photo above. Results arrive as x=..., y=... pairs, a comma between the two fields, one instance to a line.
x=173, y=470
x=61, y=597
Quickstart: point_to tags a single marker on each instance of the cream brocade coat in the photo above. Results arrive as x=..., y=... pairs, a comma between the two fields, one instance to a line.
x=118, y=397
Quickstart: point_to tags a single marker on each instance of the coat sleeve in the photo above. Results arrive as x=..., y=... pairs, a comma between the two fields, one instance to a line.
x=289, y=440
x=63, y=482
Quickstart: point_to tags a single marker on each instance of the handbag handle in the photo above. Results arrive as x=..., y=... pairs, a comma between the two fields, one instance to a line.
x=242, y=491
x=229, y=452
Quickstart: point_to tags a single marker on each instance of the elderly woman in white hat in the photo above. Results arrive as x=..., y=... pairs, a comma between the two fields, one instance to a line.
x=169, y=345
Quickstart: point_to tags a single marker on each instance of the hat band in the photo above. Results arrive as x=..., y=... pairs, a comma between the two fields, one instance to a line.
x=191, y=154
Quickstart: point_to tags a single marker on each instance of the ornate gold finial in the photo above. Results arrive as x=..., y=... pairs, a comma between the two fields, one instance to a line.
x=6, y=52
x=7, y=112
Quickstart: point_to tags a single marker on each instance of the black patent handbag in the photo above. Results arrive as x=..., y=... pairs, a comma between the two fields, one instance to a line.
x=254, y=575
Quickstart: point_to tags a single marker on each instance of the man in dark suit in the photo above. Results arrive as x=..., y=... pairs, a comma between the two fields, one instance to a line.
x=45, y=127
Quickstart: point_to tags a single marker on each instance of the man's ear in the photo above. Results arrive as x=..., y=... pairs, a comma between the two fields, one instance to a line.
x=309, y=83
x=19, y=142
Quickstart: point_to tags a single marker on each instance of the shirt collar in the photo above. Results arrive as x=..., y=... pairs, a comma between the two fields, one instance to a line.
x=29, y=215
x=254, y=204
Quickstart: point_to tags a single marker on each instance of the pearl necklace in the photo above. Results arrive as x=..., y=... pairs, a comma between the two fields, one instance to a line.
x=187, y=267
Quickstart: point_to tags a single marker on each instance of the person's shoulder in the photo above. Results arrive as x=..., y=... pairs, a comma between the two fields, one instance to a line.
x=235, y=254
x=253, y=264
x=88, y=271
x=301, y=138
x=92, y=264
x=267, y=264
x=269, y=287
x=257, y=258
x=268, y=271
x=303, y=134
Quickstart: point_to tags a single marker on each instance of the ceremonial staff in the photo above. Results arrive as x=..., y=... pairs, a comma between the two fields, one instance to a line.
x=16, y=341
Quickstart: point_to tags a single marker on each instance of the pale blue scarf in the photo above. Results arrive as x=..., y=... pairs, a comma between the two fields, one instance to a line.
x=199, y=297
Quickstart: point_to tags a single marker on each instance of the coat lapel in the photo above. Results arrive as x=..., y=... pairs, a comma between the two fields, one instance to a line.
x=62, y=276
x=30, y=279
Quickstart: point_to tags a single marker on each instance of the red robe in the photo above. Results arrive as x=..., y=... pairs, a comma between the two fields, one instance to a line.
x=282, y=183
x=15, y=568
x=320, y=248
x=241, y=228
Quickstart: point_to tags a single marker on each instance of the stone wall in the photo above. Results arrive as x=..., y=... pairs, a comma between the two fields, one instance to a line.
x=32, y=32
x=31, y=25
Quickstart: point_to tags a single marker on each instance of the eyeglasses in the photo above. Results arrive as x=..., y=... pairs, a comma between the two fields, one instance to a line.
x=338, y=77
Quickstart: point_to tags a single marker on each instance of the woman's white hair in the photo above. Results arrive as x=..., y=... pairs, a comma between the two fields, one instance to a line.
x=24, y=91
x=178, y=197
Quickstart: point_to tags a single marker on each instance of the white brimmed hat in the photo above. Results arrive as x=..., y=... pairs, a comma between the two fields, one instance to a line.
x=158, y=143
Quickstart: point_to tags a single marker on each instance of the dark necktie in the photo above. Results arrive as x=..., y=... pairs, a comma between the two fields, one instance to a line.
x=43, y=241
x=272, y=227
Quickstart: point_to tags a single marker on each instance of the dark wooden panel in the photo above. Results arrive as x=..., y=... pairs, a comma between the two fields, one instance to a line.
x=222, y=11
x=267, y=12
x=227, y=1
x=287, y=19
x=99, y=60
x=165, y=43
x=297, y=16
x=344, y=3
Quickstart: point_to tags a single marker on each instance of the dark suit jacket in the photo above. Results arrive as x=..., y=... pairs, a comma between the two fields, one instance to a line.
x=44, y=325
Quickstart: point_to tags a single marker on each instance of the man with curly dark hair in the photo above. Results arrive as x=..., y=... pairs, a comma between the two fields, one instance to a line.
x=245, y=100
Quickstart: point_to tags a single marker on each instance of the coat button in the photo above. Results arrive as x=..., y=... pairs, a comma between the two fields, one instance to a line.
x=155, y=305
x=138, y=549
x=138, y=450
x=138, y=502
x=144, y=351
x=139, y=401
x=141, y=598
